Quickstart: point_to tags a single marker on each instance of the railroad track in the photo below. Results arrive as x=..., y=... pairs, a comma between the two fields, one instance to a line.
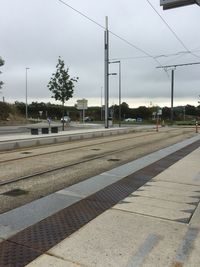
x=88, y=159
x=26, y=154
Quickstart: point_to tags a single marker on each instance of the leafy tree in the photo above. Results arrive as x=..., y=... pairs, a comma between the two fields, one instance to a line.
x=1, y=64
x=125, y=109
x=198, y=111
x=190, y=110
x=143, y=112
x=21, y=107
x=5, y=109
x=61, y=85
x=166, y=113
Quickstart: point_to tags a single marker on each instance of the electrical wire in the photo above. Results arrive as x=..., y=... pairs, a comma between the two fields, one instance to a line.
x=82, y=14
x=101, y=26
x=116, y=35
x=180, y=53
x=171, y=30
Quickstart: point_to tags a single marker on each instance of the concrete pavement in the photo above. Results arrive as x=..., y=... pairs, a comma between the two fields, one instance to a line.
x=156, y=225
x=143, y=229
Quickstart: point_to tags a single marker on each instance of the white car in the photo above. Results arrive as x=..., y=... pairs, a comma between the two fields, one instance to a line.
x=129, y=120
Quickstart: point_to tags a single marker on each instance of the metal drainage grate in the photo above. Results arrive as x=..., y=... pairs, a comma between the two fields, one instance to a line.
x=113, y=159
x=15, y=192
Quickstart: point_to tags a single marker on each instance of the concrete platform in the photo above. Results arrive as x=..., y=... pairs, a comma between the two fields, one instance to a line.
x=142, y=230
x=20, y=218
x=157, y=225
x=10, y=142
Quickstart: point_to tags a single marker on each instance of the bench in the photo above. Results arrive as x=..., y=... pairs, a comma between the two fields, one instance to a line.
x=44, y=130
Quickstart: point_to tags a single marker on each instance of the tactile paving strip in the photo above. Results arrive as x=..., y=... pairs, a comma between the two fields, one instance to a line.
x=15, y=255
x=30, y=243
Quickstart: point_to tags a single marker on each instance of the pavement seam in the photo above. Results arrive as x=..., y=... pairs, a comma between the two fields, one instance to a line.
x=150, y=216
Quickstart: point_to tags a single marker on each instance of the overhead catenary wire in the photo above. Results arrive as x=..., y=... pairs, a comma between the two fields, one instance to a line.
x=180, y=53
x=82, y=14
x=171, y=30
x=147, y=55
x=179, y=65
x=114, y=34
x=101, y=26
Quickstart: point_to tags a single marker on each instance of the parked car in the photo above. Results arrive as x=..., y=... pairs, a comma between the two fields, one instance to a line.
x=139, y=119
x=129, y=120
x=65, y=119
x=86, y=119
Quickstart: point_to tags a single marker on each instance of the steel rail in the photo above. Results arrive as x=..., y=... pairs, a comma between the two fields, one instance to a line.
x=78, y=147
x=36, y=174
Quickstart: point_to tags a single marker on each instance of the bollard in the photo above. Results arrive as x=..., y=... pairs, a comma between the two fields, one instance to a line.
x=157, y=122
x=196, y=126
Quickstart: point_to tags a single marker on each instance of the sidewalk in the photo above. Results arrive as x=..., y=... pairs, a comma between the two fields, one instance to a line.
x=92, y=224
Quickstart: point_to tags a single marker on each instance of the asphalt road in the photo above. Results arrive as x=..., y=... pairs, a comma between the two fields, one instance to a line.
x=13, y=129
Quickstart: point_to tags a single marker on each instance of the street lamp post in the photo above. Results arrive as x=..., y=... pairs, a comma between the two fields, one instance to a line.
x=101, y=103
x=119, y=62
x=27, y=94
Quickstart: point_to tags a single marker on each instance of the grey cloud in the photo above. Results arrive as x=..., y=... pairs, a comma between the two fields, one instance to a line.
x=34, y=33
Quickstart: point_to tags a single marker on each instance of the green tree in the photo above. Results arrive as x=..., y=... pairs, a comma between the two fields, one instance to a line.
x=166, y=113
x=190, y=110
x=61, y=85
x=125, y=111
x=143, y=112
x=1, y=64
x=5, y=109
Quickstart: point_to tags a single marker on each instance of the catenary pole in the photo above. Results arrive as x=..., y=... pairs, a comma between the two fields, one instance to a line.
x=106, y=71
x=172, y=81
x=27, y=94
x=120, y=94
x=172, y=96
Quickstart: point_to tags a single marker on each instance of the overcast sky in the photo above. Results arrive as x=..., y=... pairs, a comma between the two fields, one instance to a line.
x=34, y=33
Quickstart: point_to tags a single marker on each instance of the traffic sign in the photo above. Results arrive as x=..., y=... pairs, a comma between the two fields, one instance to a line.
x=82, y=104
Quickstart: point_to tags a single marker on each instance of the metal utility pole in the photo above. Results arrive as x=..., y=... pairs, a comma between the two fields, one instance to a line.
x=26, y=95
x=120, y=94
x=106, y=70
x=172, y=96
x=101, y=104
x=172, y=81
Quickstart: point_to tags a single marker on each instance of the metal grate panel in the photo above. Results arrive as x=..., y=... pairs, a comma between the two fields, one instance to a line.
x=15, y=255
